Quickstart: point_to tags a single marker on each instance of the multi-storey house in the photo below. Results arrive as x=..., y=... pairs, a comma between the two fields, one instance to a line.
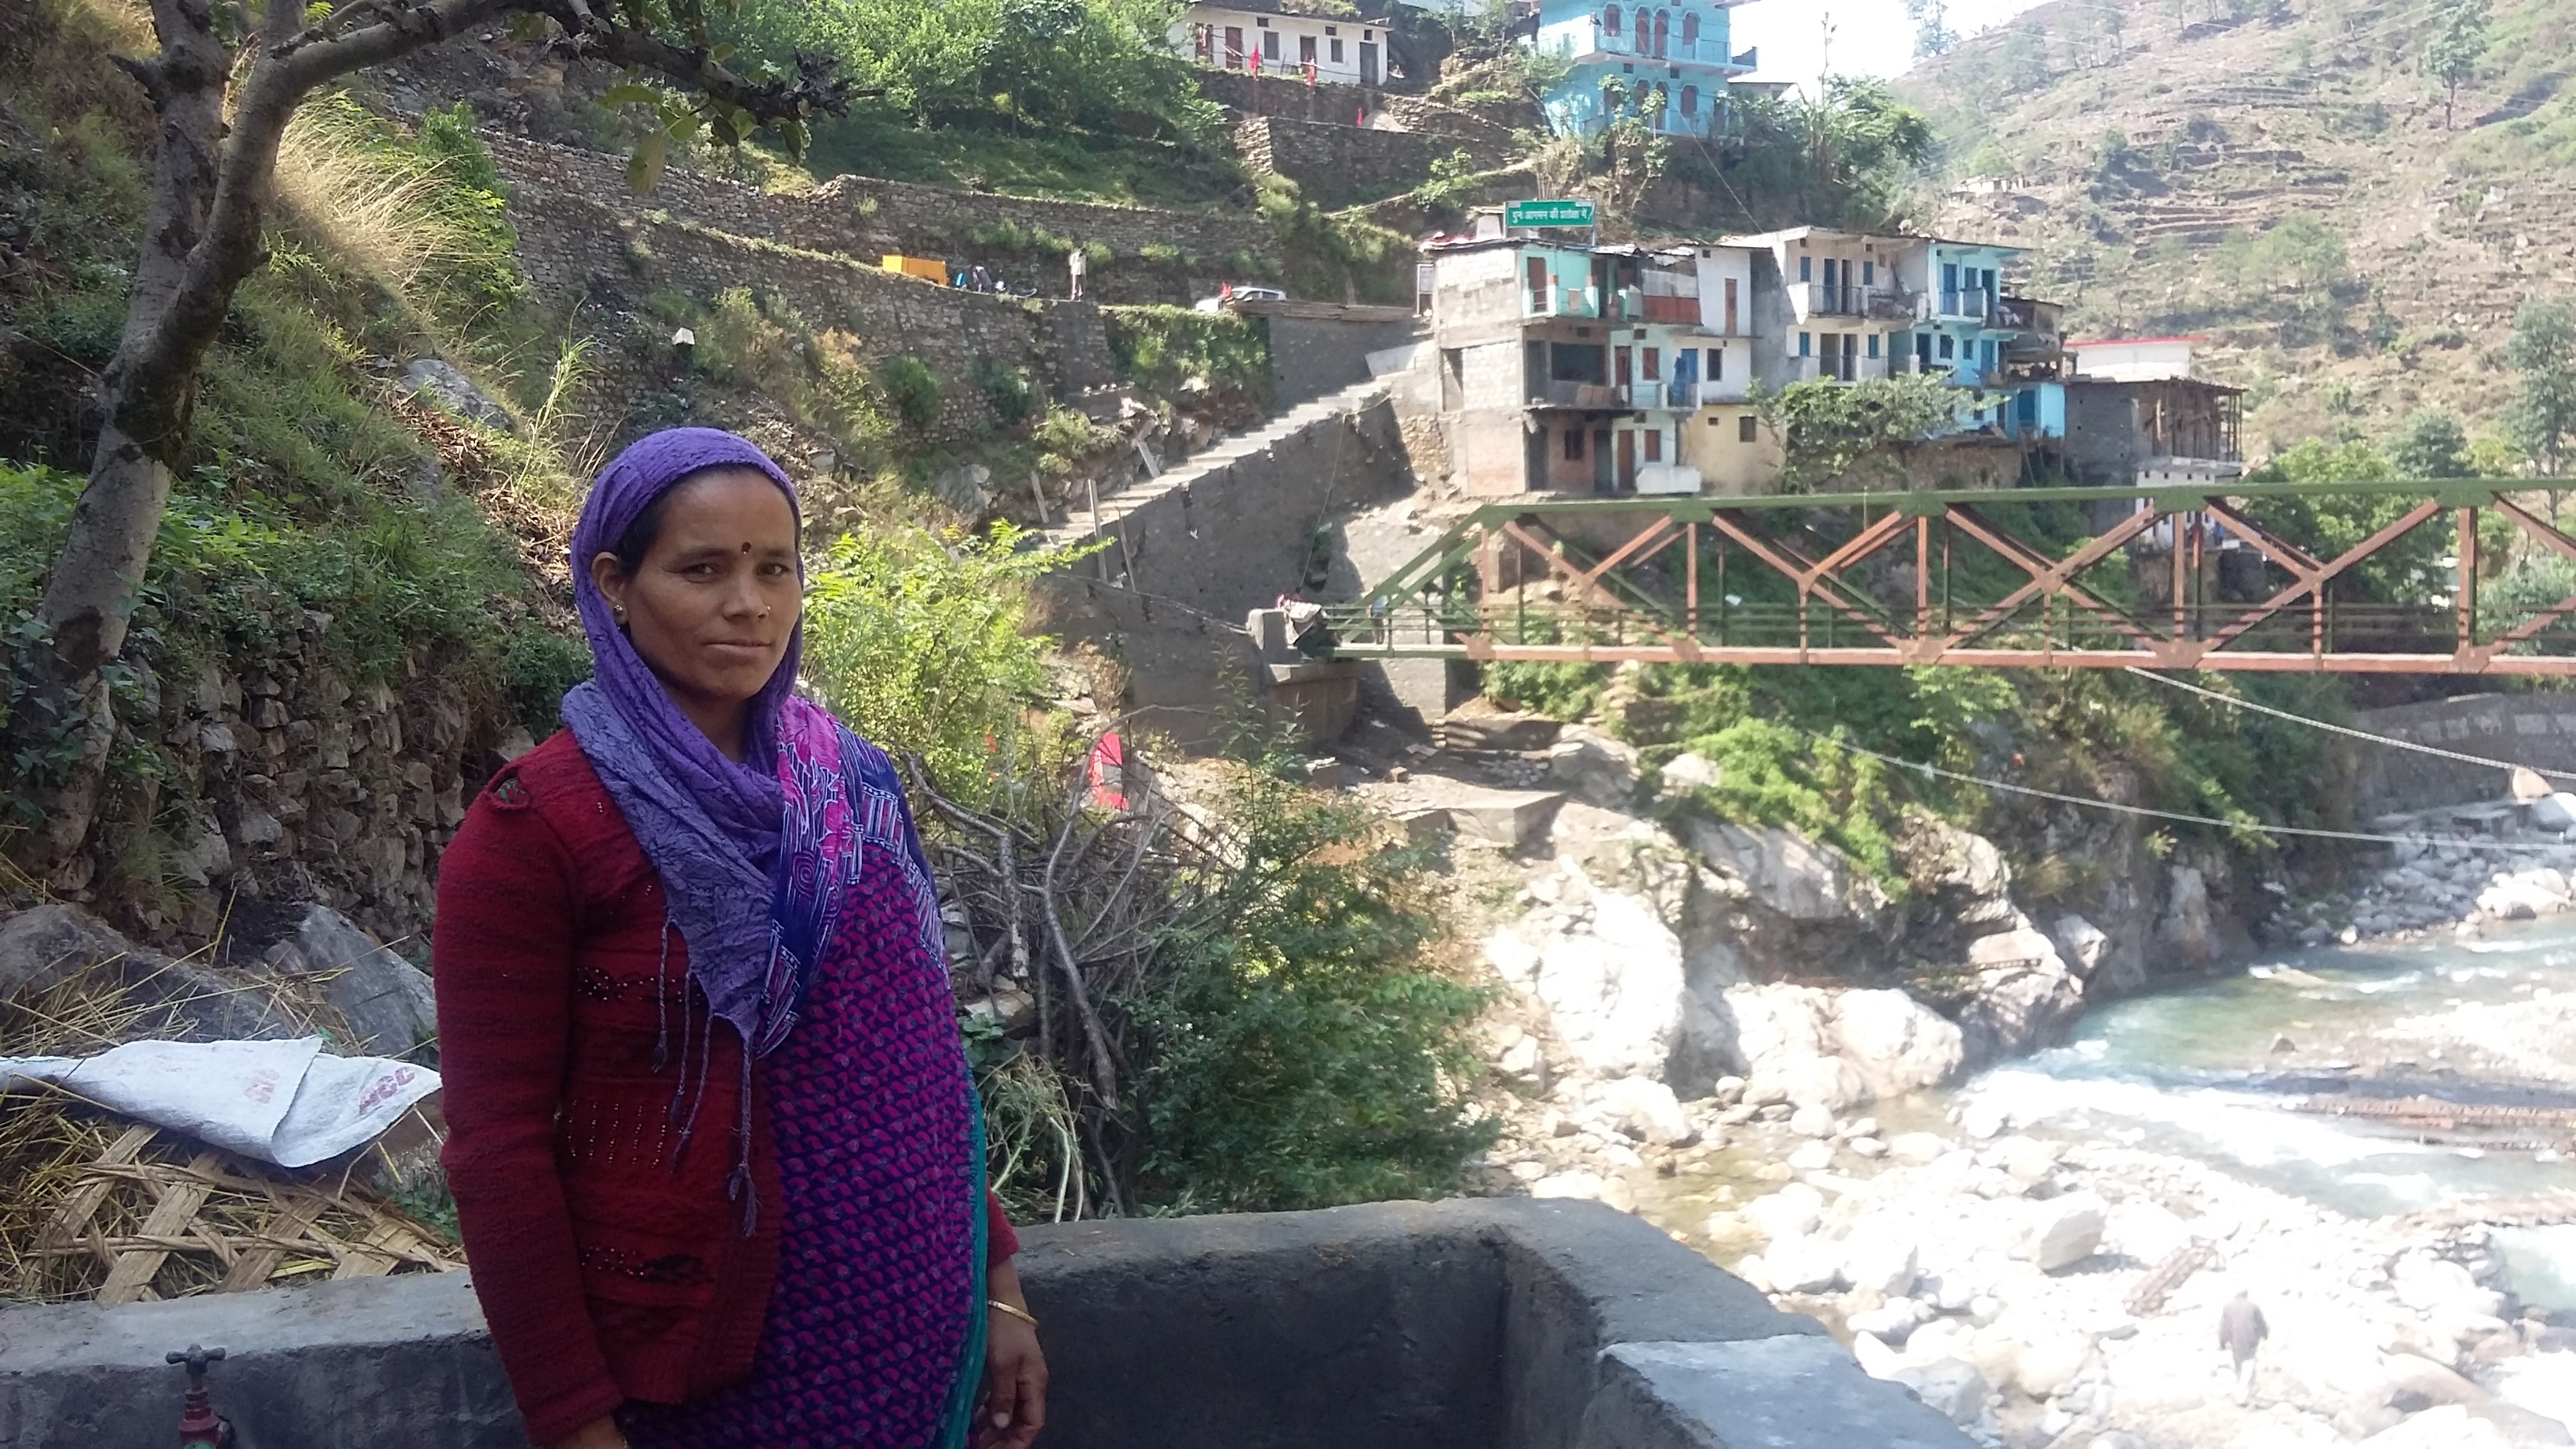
x=1272, y=38
x=1580, y=369
x=1843, y=306
x=1667, y=64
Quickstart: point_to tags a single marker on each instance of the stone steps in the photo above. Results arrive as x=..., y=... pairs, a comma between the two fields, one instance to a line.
x=1083, y=526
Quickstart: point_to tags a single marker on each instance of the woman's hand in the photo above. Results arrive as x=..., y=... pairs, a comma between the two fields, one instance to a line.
x=1012, y=1407
x=599, y=1433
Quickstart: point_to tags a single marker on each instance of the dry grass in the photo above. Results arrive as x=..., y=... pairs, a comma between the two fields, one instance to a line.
x=372, y=213
x=100, y=1207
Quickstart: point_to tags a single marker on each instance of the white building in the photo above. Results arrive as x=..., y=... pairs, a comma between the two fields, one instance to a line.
x=1272, y=39
x=2132, y=359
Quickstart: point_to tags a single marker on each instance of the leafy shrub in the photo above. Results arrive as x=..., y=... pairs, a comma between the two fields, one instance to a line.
x=1303, y=1052
x=912, y=388
x=1160, y=348
x=1007, y=388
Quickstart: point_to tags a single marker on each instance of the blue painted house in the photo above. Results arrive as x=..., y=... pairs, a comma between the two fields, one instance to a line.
x=1667, y=63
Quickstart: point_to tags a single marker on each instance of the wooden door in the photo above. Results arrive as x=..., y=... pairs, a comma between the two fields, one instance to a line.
x=1731, y=329
x=1623, y=362
x=1627, y=460
x=1368, y=63
x=1234, y=47
x=1534, y=277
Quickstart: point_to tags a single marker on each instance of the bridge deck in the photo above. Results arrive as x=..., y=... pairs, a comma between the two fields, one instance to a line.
x=2382, y=577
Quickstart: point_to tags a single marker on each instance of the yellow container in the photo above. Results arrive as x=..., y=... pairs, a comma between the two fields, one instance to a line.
x=928, y=268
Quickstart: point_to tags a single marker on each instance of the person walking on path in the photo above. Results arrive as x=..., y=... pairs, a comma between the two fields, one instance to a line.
x=2241, y=1330
x=1074, y=264
x=717, y=1156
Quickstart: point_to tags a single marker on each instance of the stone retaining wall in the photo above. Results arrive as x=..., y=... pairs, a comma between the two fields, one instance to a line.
x=575, y=250
x=2538, y=730
x=1348, y=105
x=864, y=218
x=1338, y=164
x=288, y=780
x=1468, y=1324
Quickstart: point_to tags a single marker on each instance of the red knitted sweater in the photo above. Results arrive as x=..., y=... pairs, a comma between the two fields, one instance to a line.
x=605, y=1274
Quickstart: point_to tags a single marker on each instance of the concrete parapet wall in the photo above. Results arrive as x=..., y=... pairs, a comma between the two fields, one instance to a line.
x=2538, y=730
x=1474, y=1323
x=864, y=218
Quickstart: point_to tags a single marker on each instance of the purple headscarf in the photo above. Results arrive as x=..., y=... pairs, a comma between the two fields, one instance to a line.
x=711, y=826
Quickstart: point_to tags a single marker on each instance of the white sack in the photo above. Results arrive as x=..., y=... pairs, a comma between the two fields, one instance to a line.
x=278, y=1101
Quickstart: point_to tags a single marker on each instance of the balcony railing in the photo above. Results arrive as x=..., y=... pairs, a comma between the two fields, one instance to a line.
x=1963, y=303
x=1725, y=390
x=1590, y=396
x=1672, y=309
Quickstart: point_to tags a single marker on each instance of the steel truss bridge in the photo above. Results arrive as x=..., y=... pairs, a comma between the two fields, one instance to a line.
x=2232, y=576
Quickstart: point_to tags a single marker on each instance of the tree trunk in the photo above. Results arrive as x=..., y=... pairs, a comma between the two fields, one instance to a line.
x=64, y=717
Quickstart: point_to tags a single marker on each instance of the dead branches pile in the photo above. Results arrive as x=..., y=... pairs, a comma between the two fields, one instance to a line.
x=1063, y=900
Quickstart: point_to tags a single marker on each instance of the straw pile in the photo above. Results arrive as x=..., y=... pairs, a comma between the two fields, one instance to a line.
x=100, y=1207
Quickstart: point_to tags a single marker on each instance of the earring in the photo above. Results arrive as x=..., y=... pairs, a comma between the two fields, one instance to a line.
x=618, y=613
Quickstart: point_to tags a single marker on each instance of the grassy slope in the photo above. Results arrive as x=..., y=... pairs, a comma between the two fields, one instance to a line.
x=2321, y=114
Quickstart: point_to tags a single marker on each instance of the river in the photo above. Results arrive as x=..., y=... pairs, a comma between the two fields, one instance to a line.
x=2212, y=1072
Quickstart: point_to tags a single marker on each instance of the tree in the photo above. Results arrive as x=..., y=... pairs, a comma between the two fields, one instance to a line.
x=2430, y=444
x=224, y=84
x=2542, y=420
x=1835, y=433
x=2459, y=41
x=1932, y=33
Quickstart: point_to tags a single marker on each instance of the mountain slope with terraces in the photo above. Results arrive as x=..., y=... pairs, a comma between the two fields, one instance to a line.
x=2175, y=169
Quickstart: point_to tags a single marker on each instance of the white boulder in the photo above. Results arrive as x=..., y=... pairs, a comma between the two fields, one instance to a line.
x=1897, y=1043
x=2063, y=1230
x=1587, y=1186
x=1880, y=1262
x=1803, y=1265
x=1792, y=1212
x=1608, y=970
x=1646, y=1110
x=1788, y=873
x=1592, y=766
x=2081, y=943
x=1688, y=771
x=2554, y=811
x=1951, y=1386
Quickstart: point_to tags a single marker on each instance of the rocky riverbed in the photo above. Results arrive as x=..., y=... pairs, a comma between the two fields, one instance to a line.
x=2040, y=1244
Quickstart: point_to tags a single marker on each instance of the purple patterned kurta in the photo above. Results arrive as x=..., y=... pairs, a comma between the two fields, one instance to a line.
x=877, y=1258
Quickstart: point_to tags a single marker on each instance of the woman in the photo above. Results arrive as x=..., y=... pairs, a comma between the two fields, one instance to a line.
x=716, y=1155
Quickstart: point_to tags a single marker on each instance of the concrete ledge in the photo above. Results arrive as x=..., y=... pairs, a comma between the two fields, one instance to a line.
x=1480, y=1324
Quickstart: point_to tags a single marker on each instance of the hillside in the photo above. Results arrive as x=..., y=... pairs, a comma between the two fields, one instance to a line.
x=2283, y=185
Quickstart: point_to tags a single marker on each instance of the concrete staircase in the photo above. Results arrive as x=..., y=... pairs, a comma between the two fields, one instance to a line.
x=1211, y=465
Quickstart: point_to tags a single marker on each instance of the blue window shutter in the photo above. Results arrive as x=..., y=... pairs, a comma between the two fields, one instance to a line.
x=1806, y=344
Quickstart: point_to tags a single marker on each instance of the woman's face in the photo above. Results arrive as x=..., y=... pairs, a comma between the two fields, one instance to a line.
x=715, y=598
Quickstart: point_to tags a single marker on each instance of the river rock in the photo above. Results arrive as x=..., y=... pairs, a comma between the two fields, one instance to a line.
x=387, y=1001
x=1588, y=1186
x=2447, y=1427
x=1803, y=1265
x=2047, y=1364
x=2185, y=927
x=1915, y=1149
x=1880, y=1262
x=1608, y=970
x=2081, y=944
x=1951, y=1386
x=1646, y=1110
x=1593, y=767
x=2062, y=1230
x=1897, y=1044
x=2023, y=999
x=1792, y=1212
x=1811, y=1157
x=2555, y=811
x=1889, y=1323
x=1788, y=873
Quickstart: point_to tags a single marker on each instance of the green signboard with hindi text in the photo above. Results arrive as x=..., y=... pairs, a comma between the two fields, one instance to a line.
x=1547, y=213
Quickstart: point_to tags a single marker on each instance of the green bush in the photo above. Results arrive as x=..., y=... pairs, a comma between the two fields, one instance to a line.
x=1302, y=1051
x=912, y=388
x=1161, y=348
x=1007, y=388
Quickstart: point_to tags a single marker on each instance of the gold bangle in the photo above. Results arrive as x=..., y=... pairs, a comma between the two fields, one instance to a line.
x=1014, y=1310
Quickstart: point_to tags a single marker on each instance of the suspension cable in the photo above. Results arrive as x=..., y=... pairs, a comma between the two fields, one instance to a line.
x=2345, y=730
x=2117, y=807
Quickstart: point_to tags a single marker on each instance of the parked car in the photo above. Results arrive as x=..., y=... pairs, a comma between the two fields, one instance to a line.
x=1237, y=292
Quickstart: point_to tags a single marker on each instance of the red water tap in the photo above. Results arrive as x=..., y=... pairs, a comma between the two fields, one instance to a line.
x=199, y=1428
